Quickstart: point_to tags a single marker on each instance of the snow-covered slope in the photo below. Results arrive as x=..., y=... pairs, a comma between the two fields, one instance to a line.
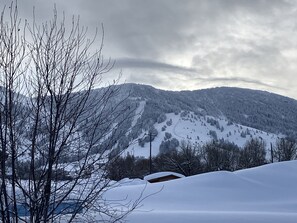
x=265, y=194
x=189, y=127
x=230, y=114
x=258, y=109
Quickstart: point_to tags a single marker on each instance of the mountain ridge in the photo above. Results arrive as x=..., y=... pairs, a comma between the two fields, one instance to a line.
x=222, y=113
x=255, y=111
x=221, y=100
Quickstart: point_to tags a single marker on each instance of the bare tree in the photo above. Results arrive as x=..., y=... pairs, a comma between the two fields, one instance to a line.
x=58, y=162
x=12, y=58
x=253, y=153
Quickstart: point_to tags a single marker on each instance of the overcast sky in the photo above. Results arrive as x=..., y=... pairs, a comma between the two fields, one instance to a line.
x=178, y=45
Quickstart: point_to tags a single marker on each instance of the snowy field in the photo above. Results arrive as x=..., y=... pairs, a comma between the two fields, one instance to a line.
x=264, y=194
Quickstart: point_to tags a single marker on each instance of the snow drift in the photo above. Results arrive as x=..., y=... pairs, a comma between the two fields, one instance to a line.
x=262, y=194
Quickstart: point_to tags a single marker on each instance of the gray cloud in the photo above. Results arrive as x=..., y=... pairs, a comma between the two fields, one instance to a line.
x=240, y=80
x=123, y=63
x=192, y=44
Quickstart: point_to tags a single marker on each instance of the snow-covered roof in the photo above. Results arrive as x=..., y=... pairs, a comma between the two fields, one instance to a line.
x=162, y=174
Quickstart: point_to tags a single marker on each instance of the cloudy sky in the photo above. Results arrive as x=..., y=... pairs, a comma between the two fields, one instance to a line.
x=178, y=45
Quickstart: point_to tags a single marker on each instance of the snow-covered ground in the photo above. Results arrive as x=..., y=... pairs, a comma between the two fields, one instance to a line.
x=196, y=129
x=265, y=194
x=138, y=113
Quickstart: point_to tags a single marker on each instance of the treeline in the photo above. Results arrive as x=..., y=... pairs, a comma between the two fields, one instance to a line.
x=212, y=156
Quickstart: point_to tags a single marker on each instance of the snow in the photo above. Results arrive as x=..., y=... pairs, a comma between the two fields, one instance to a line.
x=162, y=174
x=195, y=129
x=127, y=181
x=138, y=113
x=265, y=194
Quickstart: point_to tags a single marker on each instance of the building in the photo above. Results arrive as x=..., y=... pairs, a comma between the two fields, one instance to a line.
x=162, y=176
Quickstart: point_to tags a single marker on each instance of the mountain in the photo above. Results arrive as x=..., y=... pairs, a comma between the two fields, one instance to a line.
x=224, y=113
x=229, y=114
x=258, y=109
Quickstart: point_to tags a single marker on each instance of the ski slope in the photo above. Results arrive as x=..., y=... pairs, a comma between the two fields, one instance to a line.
x=195, y=129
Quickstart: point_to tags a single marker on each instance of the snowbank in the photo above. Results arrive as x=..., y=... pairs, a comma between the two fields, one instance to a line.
x=262, y=194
